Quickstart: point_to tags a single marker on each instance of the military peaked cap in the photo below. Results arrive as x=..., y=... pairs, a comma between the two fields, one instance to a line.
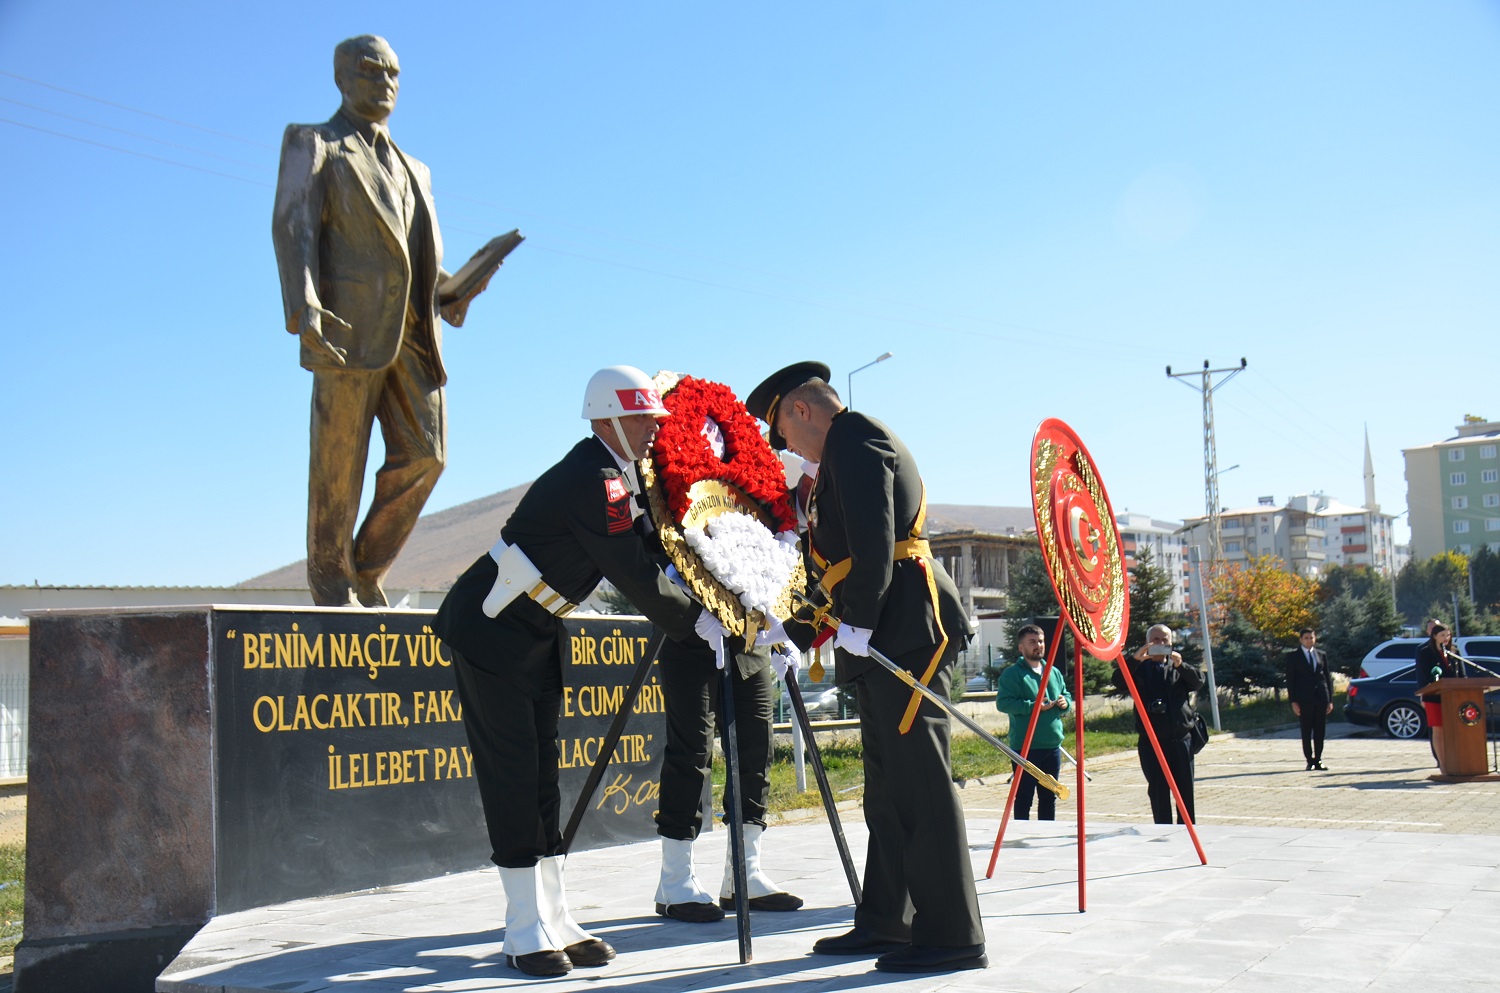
x=766, y=397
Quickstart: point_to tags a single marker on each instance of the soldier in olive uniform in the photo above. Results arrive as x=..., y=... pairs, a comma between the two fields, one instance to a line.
x=502, y=620
x=867, y=537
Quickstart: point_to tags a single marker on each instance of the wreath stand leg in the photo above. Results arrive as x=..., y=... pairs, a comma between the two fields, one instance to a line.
x=733, y=809
x=611, y=740
x=830, y=806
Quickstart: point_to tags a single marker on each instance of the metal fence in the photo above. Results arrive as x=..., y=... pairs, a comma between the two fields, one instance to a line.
x=14, y=712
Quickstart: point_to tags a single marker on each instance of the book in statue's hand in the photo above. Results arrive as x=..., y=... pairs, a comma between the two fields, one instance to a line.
x=476, y=272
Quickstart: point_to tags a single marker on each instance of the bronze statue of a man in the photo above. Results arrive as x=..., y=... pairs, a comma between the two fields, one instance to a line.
x=360, y=257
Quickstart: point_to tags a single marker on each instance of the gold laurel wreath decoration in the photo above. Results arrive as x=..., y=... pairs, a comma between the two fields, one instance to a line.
x=1114, y=610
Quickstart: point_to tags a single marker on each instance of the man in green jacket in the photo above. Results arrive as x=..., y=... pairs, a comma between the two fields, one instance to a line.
x=1015, y=696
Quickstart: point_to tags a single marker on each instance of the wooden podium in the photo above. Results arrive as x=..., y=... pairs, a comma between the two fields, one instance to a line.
x=1464, y=724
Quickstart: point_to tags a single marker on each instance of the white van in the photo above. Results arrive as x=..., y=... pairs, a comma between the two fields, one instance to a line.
x=1398, y=653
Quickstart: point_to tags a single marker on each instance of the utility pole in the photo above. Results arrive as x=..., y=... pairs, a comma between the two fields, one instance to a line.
x=1210, y=453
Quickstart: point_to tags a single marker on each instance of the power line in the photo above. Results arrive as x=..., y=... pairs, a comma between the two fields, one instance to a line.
x=133, y=134
x=139, y=155
x=134, y=110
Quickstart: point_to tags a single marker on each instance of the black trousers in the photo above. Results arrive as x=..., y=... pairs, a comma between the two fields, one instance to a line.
x=693, y=689
x=1314, y=721
x=918, y=880
x=1049, y=760
x=1177, y=747
x=512, y=732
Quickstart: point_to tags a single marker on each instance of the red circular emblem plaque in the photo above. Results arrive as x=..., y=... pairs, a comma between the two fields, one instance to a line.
x=1469, y=713
x=1079, y=538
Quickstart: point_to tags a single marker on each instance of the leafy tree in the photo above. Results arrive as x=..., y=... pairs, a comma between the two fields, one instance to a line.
x=1242, y=663
x=1484, y=568
x=613, y=601
x=1341, y=632
x=1357, y=619
x=1380, y=618
x=1150, y=592
x=1273, y=602
x=1356, y=580
x=1433, y=581
x=1030, y=595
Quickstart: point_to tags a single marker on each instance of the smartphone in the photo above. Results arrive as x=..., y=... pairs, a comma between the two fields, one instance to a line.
x=1158, y=651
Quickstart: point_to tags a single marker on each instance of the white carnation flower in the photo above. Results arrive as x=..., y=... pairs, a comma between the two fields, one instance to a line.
x=746, y=557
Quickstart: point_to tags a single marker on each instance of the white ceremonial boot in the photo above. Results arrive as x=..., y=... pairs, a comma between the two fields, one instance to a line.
x=529, y=945
x=764, y=894
x=679, y=895
x=582, y=948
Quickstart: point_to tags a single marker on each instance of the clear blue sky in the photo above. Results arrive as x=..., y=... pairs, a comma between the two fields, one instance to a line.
x=1035, y=207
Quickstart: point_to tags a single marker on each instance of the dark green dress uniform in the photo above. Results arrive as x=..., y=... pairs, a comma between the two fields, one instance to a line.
x=575, y=525
x=868, y=497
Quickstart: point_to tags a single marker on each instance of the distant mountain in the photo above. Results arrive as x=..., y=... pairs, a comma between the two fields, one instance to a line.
x=444, y=543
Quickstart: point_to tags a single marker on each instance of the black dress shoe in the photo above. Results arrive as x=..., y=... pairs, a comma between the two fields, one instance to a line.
x=692, y=913
x=541, y=963
x=933, y=958
x=1309, y=767
x=590, y=953
x=1320, y=766
x=858, y=941
x=774, y=902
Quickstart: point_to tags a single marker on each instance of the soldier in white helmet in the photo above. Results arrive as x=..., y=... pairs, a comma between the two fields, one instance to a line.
x=502, y=619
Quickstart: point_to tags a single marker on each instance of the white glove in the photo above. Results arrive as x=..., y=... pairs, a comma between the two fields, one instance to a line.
x=771, y=635
x=711, y=631
x=676, y=578
x=786, y=660
x=855, y=641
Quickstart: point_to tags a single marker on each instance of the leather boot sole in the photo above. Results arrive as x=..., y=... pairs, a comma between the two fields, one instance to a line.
x=692, y=913
x=589, y=954
x=932, y=958
x=773, y=902
x=541, y=963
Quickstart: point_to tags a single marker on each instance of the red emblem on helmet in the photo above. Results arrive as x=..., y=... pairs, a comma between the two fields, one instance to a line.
x=639, y=400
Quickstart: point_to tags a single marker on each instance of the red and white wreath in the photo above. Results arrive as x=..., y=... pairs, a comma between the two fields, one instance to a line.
x=718, y=497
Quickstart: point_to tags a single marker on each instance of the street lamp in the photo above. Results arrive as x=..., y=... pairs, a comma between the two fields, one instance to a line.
x=849, y=383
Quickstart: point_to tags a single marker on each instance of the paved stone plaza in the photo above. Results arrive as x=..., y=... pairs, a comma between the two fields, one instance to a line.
x=1368, y=877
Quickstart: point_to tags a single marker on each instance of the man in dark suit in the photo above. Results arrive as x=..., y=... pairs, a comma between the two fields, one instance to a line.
x=1309, y=684
x=360, y=258
x=503, y=621
x=868, y=540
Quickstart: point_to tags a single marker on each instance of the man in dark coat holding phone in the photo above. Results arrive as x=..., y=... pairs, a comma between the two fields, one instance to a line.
x=1166, y=684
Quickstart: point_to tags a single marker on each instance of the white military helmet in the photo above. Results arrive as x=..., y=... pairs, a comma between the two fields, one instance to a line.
x=619, y=391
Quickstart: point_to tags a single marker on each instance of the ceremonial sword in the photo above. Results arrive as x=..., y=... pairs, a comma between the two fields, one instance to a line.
x=830, y=803
x=906, y=677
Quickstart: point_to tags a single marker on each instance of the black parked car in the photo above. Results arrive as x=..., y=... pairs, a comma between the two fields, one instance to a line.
x=1390, y=703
